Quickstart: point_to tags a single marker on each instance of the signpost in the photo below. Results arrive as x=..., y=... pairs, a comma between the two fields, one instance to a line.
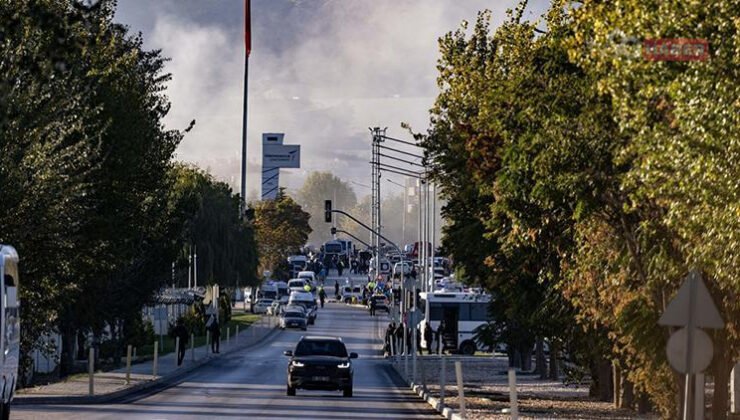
x=690, y=349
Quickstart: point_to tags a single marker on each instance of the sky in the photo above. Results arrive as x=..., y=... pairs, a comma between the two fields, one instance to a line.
x=320, y=71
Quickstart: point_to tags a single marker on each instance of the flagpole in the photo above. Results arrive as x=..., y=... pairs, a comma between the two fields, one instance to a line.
x=248, y=48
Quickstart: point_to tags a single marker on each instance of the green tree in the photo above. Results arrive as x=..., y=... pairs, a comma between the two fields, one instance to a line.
x=282, y=228
x=317, y=187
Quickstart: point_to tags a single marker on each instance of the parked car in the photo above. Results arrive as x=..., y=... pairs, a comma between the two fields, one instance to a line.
x=320, y=363
x=261, y=306
x=293, y=318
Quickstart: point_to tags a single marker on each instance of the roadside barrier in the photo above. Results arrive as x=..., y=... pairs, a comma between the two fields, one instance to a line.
x=156, y=359
x=91, y=370
x=128, y=364
x=512, y=394
x=460, y=389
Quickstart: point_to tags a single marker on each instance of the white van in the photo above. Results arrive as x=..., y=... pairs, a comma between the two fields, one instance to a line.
x=297, y=285
x=10, y=325
x=309, y=276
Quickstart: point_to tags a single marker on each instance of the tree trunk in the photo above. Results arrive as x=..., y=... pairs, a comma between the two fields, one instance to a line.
x=554, y=368
x=643, y=404
x=67, y=359
x=721, y=369
x=627, y=398
x=540, y=361
x=116, y=336
x=617, y=384
x=605, y=380
x=526, y=354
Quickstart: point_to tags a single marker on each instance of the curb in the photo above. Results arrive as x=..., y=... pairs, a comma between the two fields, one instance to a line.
x=444, y=410
x=162, y=382
x=434, y=402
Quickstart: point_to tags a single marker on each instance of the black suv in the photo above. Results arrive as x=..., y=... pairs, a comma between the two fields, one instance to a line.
x=320, y=363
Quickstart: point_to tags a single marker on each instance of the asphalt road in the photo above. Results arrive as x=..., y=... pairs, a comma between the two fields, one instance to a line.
x=251, y=383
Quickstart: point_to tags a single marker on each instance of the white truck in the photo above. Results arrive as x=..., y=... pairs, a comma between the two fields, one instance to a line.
x=10, y=326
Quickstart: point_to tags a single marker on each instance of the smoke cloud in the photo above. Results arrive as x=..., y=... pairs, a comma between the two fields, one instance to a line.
x=321, y=71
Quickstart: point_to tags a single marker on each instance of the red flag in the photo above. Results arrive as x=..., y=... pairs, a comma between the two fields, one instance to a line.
x=247, y=27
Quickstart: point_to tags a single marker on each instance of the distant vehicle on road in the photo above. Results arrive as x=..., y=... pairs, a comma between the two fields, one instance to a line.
x=297, y=285
x=349, y=292
x=10, y=326
x=309, y=276
x=306, y=300
x=293, y=318
x=282, y=288
x=333, y=248
x=381, y=303
x=405, y=265
x=320, y=363
x=261, y=306
x=462, y=313
x=297, y=263
x=268, y=290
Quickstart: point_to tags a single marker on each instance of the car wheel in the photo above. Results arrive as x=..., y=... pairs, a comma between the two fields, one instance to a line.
x=303, y=329
x=468, y=348
x=290, y=391
x=348, y=392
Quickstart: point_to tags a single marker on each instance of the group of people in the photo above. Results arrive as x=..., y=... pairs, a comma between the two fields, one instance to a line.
x=181, y=332
x=394, y=339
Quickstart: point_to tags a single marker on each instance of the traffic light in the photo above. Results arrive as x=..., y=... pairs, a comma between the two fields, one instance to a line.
x=333, y=231
x=327, y=211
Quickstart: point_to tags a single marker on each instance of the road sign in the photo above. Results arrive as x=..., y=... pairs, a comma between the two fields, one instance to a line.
x=703, y=312
x=701, y=354
x=690, y=350
x=415, y=316
x=281, y=156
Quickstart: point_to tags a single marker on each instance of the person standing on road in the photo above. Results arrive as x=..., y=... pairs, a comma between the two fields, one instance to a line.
x=399, y=338
x=322, y=295
x=390, y=335
x=215, y=336
x=418, y=342
x=182, y=333
x=428, y=337
x=441, y=330
x=340, y=267
x=372, y=305
x=336, y=289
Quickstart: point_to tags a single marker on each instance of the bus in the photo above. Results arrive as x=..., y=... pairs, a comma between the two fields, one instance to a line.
x=462, y=313
x=10, y=325
x=334, y=248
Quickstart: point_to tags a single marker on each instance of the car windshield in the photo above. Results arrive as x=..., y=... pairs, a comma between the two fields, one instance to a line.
x=293, y=314
x=321, y=348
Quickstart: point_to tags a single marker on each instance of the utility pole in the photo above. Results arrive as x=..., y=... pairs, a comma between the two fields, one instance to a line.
x=377, y=138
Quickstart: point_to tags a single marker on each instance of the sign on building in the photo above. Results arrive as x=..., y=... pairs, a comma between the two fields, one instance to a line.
x=276, y=155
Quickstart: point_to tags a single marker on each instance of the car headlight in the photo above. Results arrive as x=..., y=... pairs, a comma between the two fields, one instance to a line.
x=343, y=365
x=298, y=364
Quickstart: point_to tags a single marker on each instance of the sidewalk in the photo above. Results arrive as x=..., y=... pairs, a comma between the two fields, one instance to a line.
x=112, y=385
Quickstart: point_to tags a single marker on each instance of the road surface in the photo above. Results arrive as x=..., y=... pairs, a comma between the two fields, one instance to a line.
x=251, y=384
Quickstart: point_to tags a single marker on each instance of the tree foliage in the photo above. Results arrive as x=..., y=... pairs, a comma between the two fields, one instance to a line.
x=282, y=228
x=320, y=186
x=591, y=181
x=88, y=191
